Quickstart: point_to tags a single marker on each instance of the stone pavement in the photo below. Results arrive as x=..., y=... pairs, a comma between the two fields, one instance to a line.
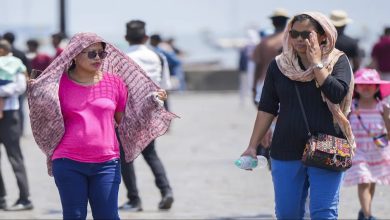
x=198, y=154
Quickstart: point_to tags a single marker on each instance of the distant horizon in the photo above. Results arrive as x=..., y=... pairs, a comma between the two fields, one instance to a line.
x=181, y=19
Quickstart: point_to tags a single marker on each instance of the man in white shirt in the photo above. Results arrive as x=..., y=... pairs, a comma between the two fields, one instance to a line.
x=156, y=67
x=10, y=137
x=152, y=62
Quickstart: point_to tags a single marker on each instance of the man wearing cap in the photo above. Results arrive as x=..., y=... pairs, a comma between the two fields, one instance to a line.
x=381, y=55
x=155, y=66
x=264, y=53
x=345, y=43
x=268, y=49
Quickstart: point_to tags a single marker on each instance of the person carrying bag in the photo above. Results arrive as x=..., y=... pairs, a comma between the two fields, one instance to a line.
x=324, y=78
x=370, y=122
x=323, y=150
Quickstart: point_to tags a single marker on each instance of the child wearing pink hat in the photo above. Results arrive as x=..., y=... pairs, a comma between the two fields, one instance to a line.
x=370, y=122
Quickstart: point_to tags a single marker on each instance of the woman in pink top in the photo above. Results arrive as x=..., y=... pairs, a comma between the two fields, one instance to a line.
x=75, y=105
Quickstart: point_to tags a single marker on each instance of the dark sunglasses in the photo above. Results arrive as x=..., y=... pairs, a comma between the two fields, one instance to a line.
x=295, y=34
x=92, y=54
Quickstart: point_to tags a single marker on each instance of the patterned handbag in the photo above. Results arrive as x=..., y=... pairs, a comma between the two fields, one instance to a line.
x=325, y=151
x=328, y=152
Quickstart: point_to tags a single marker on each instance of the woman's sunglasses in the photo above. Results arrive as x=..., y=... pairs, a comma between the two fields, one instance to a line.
x=92, y=54
x=295, y=34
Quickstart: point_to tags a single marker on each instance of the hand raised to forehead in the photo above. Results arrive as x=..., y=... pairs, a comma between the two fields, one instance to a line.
x=313, y=51
x=313, y=36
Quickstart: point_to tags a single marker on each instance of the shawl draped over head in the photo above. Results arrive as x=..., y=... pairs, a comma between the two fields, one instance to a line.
x=287, y=62
x=143, y=119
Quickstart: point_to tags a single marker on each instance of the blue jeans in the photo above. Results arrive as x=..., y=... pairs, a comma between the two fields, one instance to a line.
x=79, y=183
x=291, y=184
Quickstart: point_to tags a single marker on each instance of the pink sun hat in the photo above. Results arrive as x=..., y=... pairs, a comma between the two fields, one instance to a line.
x=371, y=76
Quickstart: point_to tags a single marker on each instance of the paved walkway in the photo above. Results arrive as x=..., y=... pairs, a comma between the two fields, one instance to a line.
x=198, y=153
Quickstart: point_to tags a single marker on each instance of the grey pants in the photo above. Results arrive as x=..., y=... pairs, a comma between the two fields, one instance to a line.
x=10, y=138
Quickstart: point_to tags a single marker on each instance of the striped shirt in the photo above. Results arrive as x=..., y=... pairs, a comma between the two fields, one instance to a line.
x=370, y=164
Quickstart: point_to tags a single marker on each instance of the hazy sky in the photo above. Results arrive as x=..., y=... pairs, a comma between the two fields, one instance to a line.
x=107, y=17
x=182, y=17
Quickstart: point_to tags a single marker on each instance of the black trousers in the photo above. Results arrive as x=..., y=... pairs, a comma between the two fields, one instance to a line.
x=10, y=138
x=154, y=162
x=21, y=112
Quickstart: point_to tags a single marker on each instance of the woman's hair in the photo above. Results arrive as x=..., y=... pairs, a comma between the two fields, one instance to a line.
x=377, y=95
x=303, y=17
x=73, y=64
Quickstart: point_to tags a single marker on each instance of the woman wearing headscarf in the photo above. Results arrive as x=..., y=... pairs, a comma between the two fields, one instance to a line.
x=75, y=105
x=324, y=80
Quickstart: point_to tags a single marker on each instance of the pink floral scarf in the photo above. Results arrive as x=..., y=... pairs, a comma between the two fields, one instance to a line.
x=288, y=64
x=143, y=120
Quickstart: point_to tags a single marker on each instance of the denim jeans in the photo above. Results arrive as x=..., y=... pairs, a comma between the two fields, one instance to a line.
x=292, y=181
x=79, y=183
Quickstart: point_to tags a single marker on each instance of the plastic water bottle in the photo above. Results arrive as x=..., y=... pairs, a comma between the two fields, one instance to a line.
x=248, y=162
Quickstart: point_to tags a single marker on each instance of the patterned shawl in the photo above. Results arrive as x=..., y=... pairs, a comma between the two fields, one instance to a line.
x=287, y=62
x=143, y=120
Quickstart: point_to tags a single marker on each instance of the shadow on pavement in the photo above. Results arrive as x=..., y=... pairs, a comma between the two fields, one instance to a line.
x=54, y=211
x=260, y=217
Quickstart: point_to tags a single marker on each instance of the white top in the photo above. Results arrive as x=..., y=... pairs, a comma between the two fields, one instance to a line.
x=150, y=62
x=11, y=92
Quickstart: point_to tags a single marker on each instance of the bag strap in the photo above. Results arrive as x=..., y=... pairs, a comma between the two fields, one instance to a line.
x=302, y=109
x=357, y=112
x=360, y=119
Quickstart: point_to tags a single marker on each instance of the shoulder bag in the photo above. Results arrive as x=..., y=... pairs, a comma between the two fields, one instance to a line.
x=323, y=150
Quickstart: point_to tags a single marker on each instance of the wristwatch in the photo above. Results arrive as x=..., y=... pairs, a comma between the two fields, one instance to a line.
x=319, y=66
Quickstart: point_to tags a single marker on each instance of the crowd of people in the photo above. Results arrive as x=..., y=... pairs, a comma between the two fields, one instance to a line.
x=308, y=60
